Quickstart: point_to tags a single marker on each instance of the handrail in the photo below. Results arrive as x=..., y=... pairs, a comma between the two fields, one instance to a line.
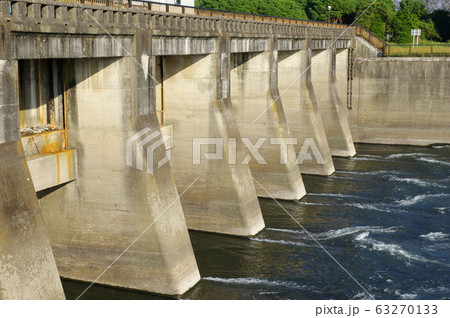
x=361, y=31
x=372, y=38
x=166, y=7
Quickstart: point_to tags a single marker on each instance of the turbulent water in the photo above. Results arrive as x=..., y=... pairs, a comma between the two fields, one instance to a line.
x=384, y=216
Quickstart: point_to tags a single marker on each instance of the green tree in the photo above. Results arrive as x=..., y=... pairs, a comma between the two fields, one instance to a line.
x=441, y=19
x=342, y=11
x=278, y=8
x=377, y=17
x=412, y=15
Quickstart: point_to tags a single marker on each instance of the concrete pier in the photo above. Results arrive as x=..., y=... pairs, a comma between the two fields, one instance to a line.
x=329, y=100
x=302, y=112
x=113, y=206
x=223, y=200
x=27, y=266
x=260, y=115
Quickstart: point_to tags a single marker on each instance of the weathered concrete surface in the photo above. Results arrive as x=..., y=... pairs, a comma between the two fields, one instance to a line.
x=401, y=101
x=27, y=266
x=53, y=169
x=364, y=49
x=260, y=115
x=302, y=113
x=223, y=200
x=92, y=220
x=330, y=103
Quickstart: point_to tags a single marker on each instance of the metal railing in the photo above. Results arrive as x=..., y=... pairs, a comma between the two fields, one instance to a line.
x=369, y=36
x=418, y=50
x=176, y=8
x=372, y=38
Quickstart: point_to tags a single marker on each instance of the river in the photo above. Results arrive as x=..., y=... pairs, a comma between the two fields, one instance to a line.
x=379, y=227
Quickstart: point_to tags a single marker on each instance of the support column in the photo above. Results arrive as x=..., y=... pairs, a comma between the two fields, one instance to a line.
x=260, y=115
x=121, y=200
x=302, y=112
x=197, y=105
x=330, y=104
x=27, y=266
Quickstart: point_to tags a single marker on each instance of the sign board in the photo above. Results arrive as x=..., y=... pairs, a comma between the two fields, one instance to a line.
x=415, y=32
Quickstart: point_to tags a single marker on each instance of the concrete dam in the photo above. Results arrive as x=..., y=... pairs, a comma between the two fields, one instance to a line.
x=121, y=127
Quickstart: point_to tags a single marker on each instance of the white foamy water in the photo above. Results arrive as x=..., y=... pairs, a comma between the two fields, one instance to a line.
x=419, y=198
x=442, y=210
x=337, y=195
x=434, y=236
x=406, y=295
x=437, y=247
x=378, y=172
x=441, y=147
x=254, y=281
x=282, y=242
x=369, y=206
x=393, y=249
x=366, y=159
x=434, y=161
x=313, y=203
x=408, y=155
x=372, y=156
x=332, y=234
x=414, y=181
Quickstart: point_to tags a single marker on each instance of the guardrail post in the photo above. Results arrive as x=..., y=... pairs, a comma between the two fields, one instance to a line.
x=431, y=49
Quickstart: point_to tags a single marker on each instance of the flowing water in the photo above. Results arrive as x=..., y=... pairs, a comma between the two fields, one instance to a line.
x=384, y=216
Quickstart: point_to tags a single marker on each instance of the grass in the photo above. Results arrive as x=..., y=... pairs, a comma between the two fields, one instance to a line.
x=431, y=49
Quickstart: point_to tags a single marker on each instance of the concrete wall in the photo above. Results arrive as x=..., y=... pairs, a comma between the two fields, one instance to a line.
x=27, y=266
x=92, y=220
x=401, y=101
x=260, y=114
x=330, y=103
x=223, y=199
x=302, y=113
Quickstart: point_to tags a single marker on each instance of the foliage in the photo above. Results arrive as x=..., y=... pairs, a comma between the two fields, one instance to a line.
x=441, y=19
x=412, y=15
x=381, y=17
x=278, y=8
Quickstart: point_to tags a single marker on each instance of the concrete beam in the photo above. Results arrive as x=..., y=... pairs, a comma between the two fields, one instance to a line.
x=162, y=45
x=45, y=46
x=260, y=116
x=27, y=266
x=53, y=169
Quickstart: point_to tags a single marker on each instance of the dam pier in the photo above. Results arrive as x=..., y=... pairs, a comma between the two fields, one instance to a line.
x=124, y=126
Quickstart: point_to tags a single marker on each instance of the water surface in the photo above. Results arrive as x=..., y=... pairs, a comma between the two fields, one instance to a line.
x=384, y=216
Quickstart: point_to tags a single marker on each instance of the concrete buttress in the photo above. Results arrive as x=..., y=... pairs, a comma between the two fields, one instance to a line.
x=262, y=122
x=195, y=92
x=27, y=265
x=302, y=112
x=122, y=203
x=330, y=103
